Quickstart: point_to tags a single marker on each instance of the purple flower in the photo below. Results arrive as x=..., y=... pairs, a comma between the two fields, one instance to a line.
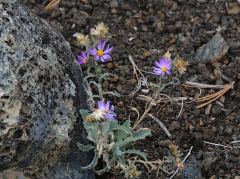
x=82, y=58
x=162, y=66
x=108, y=111
x=101, y=52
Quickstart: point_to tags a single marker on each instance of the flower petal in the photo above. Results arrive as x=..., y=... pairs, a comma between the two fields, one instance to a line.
x=108, y=50
x=93, y=51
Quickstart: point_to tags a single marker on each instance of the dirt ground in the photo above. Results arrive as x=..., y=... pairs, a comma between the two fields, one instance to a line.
x=181, y=26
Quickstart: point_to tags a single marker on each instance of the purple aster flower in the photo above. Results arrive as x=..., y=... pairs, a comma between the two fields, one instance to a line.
x=108, y=111
x=82, y=58
x=162, y=66
x=101, y=52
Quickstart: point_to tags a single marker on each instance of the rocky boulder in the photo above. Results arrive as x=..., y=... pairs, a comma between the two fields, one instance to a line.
x=40, y=96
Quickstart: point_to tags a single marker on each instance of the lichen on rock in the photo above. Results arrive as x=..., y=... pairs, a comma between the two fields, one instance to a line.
x=40, y=94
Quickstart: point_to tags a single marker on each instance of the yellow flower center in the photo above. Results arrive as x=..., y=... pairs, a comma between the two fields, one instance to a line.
x=164, y=69
x=100, y=53
x=84, y=60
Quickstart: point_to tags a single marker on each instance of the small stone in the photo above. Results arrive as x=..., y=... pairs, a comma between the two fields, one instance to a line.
x=200, y=154
x=234, y=9
x=237, y=119
x=159, y=26
x=165, y=143
x=144, y=28
x=113, y=3
x=215, y=49
x=209, y=163
x=237, y=177
x=174, y=126
x=228, y=130
x=120, y=104
x=114, y=11
x=110, y=65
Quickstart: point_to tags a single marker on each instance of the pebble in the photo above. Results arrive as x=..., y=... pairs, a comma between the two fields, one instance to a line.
x=228, y=130
x=165, y=143
x=174, y=126
x=110, y=65
x=215, y=49
x=144, y=28
x=237, y=119
x=113, y=3
x=120, y=104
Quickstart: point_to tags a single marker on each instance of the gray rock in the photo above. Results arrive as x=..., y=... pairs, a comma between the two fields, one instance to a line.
x=40, y=96
x=215, y=49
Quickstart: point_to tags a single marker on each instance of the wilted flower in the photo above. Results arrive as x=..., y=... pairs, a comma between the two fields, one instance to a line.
x=162, y=67
x=104, y=111
x=134, y=173
x=82, y=58
x=81, y=39
x=167, y=55
x=181, y=65
x=101, y=52
x=100, y=30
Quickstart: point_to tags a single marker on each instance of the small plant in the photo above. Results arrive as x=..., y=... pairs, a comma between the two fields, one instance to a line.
x=112, y=142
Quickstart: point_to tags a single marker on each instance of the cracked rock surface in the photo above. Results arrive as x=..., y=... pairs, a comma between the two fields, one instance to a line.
x=40, y=96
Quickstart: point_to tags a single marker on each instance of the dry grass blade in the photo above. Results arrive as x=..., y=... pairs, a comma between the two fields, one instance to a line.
x=143, y=116
x=161, y=125
x=52, y=5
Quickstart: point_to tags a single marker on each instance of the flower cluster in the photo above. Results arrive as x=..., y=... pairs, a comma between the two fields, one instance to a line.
x=163, y=66
x=104, y=111
x=100, y=52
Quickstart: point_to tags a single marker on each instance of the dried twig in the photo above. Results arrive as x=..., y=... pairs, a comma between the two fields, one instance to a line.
x=212, y=97
x=52, y=5
x=161, y=125
x=224, y=146
x=199, y=85
x=144, y=115
x=185, y=158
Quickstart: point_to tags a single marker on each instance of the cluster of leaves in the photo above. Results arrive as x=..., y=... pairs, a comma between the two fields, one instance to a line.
x=112, y=142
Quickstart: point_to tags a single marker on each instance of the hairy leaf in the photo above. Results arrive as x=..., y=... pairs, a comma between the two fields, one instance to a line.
x=85, y=148
x=136, y=152
x=141, y=134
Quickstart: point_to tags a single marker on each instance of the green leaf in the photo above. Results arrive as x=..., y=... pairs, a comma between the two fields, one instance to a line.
x=84, y=112
x=85, y=148
x=137, y=135
x=141, y=134
x=136, y=152
x=127, y=124
x=92, y=130
x=118, y=152
x=121, y=128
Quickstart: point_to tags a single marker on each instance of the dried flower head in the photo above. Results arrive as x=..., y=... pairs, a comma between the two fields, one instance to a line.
x=100, y=30
x=82, y=58
x=81, y=39
x=134, y=173
x=162, y=67
x=181, y=65
x=167, y=55
x=101, y=52
x=104, y=111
